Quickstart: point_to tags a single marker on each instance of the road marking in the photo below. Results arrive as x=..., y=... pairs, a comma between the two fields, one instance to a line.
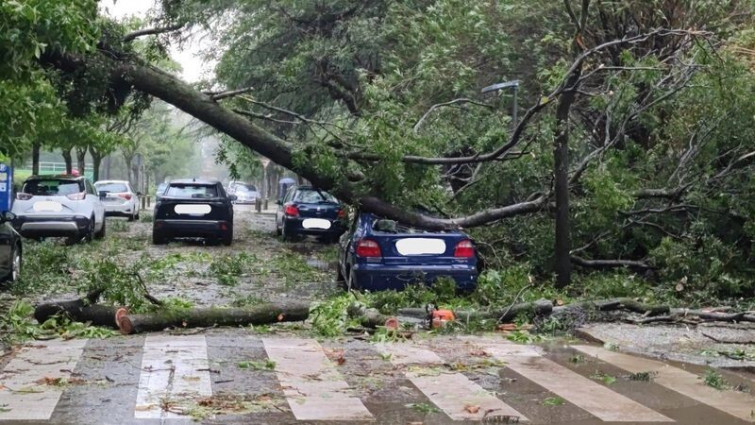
x=29, y=387
x=688, y=384
x=453, y=393
x=313, y=387
x=596, y=399
x=175, y=371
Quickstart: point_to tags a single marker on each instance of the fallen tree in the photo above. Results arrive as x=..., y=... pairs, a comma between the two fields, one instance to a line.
x=83, y=309
x=214, y=316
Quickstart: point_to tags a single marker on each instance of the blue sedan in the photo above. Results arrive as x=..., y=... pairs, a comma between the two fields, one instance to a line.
x=378, y=254
x=308, y=211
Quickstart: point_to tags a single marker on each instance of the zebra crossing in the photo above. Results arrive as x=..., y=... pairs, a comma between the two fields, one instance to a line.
x=289, y=379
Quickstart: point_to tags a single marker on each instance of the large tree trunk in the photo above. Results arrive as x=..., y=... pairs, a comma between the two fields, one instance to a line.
x=562, y=248
x=35, y=158
x=96, y=161
x=209, y=317
x=68, y=159
x=81, y=155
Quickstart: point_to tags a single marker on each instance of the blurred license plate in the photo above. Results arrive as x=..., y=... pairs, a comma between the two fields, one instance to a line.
x=47, y=206
x=192, y=209
x=420, y=246
x=315, y=223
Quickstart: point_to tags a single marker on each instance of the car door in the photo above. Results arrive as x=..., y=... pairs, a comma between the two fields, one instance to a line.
x=6, y=247
x=99, y=209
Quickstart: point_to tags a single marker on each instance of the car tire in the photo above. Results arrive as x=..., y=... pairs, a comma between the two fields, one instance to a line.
x=16, y=263
x=278, y=231
x=340, y=280
x=351, y=282
x=227, y=238
x=102, y=231
x=284, y=234
x=158, y=238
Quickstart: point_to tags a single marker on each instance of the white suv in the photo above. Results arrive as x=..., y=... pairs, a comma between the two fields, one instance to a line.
x=59, y=206
x=120, y=199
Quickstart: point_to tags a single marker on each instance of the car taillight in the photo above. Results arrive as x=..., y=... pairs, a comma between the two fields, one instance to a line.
x=368, y=248
x=464, y=249
x=341, y=213
x=23, y=196
x=126, y=196
x=292, y=210
x=77, y=196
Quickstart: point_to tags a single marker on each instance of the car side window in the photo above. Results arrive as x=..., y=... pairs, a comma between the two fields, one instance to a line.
x=289, y=195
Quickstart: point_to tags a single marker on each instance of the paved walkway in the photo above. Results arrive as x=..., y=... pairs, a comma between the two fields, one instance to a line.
x=235, y=377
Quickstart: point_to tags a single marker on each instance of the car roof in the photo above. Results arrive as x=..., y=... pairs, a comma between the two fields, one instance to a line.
x=205, y=182
x=112, y=181
x=55, y=176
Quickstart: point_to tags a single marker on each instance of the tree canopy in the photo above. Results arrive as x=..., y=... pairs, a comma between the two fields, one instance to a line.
x=635, y=132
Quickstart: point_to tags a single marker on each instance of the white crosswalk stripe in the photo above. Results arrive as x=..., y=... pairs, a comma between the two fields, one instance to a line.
x=29, y=384
x=174, y=375
x=313, y=387
x=573, y=387
x=174, y=370
x=455, y=394
x=734, y=403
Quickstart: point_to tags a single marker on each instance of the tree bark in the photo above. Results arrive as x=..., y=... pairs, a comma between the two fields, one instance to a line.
x=80, y=310
x=96, y=162
x=207, y=317
x=562, y=261
x=35, y=158
x=68, y=159
x=81, y=154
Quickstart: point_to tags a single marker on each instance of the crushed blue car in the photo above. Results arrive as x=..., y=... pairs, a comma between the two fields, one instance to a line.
x=377, y=254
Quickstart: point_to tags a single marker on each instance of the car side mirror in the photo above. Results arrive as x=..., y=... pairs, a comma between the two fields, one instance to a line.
x=138, y=194
x=7, y=216
x=233, y=197
x=103, y=194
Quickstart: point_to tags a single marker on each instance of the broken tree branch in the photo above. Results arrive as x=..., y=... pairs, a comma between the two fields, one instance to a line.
x=151, y=31
x=449, y=103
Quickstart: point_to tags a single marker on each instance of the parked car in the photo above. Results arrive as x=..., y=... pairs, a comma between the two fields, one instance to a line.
x=377, y=254
x=245, y=193
x=193, y=209
x=306, y=210
x=160, y=190
x=59, y=205
x=10, y=249
x=120, y=199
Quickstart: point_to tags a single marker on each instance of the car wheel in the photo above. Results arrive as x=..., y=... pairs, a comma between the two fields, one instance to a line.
x=15, y=271
x=227, y=238
x=340, y=280
x=284, y=234
x=157, y=237
x=101, y=233
x=351, y=282
x=277, y=229
x=89, y=235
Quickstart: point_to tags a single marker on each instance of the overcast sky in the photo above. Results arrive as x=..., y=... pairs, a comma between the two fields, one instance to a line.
x=194, y=67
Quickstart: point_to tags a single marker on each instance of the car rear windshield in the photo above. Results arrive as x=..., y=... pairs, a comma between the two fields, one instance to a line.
x=192, y=191
x=311, y=196
x=53, y=187
x=112, y=187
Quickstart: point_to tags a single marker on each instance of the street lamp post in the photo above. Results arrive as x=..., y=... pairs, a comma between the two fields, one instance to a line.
x=505, y=85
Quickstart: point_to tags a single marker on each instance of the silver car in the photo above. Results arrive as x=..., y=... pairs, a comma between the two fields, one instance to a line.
x=245, y=193
x=120, y=199
x=62, y=205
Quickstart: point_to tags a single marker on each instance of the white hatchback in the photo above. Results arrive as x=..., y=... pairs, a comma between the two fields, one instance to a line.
x=59, y=206
x=119, y=199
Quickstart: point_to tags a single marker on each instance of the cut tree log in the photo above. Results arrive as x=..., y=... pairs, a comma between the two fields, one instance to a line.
x=79, y=310
x=368, y=317
x=208, y=317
